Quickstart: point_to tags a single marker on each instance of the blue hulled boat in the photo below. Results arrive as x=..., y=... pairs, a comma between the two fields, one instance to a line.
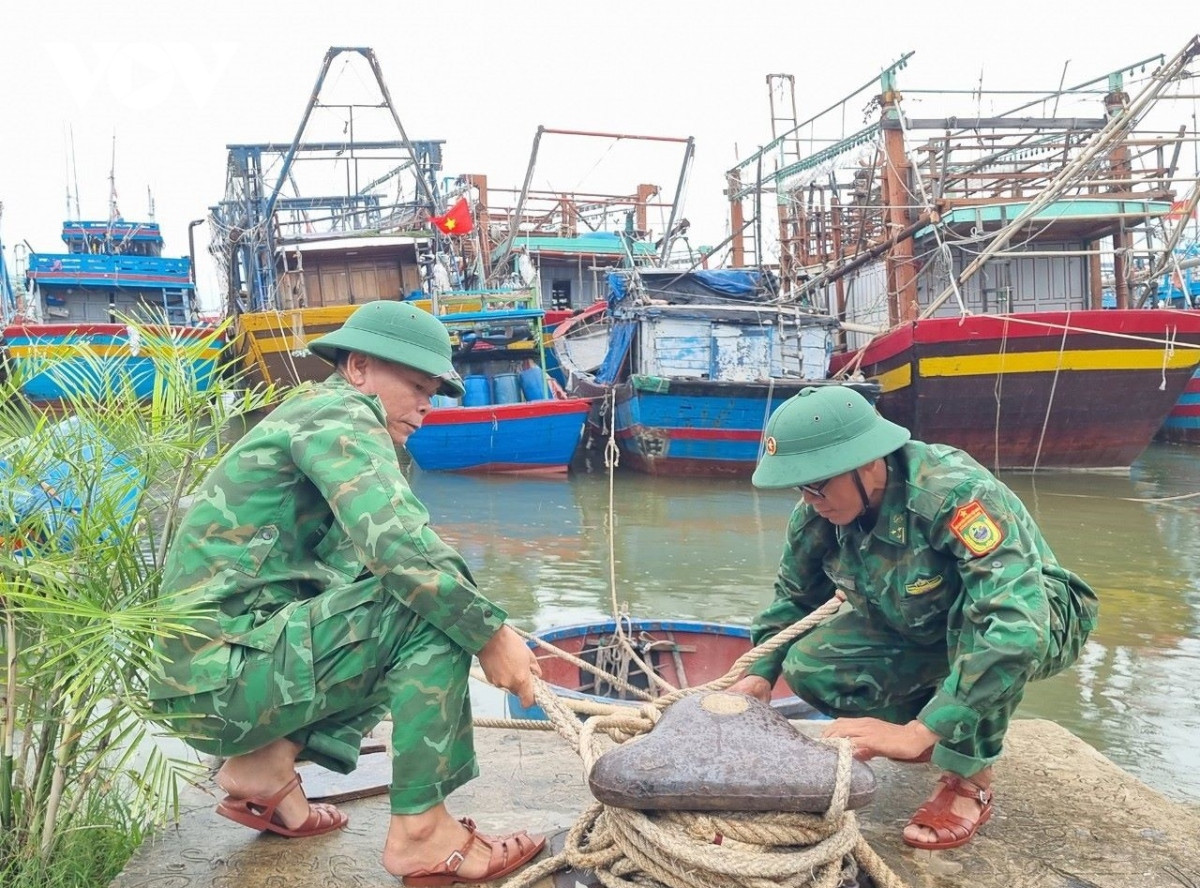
x=74, y=331
x=696, y=364
x=513, y=417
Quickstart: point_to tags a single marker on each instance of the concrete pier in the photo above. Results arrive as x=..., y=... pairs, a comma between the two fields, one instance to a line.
x=1065, y=817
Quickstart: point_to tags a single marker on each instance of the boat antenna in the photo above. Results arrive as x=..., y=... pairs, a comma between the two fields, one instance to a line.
x=75, y=174
x=67, y=178
x=114, y=212
x=1061, y=82
x=150, y=200
x=71, y=173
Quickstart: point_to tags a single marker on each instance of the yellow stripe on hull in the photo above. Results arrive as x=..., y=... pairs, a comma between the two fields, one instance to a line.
x=1039, y=362
x=1049, y=361
x=60, y=351
x=282, y=322
x=895, y=379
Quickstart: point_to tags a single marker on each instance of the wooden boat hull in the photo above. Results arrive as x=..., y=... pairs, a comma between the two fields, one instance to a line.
x=1071, y=390
x=697, y=427
x=1183, y=422
x=113, y=357
x=272, y=346
x=530, y=436
x=684, y=653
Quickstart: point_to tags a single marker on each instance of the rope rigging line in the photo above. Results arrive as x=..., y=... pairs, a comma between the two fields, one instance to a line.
x=1062, y=346
x=997, y=395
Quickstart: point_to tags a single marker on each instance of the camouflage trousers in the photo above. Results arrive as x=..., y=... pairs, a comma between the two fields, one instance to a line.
x=850, y=666
x=370, y=655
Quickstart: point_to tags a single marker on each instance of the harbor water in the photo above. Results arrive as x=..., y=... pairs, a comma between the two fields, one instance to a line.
x=694, y=549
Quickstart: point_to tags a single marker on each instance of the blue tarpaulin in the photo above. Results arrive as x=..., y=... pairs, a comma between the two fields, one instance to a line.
x=682, y=287
x=619, y=338
x=731, y=281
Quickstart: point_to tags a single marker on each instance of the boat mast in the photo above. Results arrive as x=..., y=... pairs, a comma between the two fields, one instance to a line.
x=897, y=176
x=515, y=223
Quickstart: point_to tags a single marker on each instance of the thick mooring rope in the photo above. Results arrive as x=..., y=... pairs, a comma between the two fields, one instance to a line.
x=685, y=849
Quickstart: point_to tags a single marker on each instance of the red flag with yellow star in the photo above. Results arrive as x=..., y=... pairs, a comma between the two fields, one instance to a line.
x=456, y=220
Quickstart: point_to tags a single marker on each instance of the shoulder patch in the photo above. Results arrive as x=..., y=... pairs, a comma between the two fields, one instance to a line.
x=974, y=526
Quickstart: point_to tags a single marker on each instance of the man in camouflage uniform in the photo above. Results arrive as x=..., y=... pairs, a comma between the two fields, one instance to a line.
x=953, y=599
x=326, y=600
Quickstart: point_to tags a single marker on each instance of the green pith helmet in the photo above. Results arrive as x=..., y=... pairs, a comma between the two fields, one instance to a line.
x=823, y=432
x=399, y=332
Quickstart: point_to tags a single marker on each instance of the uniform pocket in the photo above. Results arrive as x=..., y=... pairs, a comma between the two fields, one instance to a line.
x=345, y=626
x=255, y=553
x=923, y=606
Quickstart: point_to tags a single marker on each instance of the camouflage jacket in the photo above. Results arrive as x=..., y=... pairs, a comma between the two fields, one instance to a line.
x=954, y=558
x=310, y=499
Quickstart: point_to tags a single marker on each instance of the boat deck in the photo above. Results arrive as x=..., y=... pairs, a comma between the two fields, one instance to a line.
x=1065, y=816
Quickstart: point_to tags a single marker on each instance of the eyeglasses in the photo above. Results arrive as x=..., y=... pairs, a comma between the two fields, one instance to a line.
x=816, y=491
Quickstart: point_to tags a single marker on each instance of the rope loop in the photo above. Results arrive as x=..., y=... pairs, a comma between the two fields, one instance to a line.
x=706, y=849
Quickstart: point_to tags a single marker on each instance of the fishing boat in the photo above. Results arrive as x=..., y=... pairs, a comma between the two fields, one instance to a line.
x=73, y=331
x=512, y=417
x=963, y=253
x=687, y=386
x=683, y=653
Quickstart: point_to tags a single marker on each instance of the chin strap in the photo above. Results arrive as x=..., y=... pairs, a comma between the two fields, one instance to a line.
x=862, y=494
x=865, y=518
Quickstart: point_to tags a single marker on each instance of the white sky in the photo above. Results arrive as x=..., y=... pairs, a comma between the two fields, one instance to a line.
x=176, y=81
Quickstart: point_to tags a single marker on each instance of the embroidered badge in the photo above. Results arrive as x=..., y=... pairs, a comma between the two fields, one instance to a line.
x=974, y=526
x=771, y=445
x=897, y=529
x=920, y=587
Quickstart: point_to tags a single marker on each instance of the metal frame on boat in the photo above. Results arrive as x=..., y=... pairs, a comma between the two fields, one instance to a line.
x=963, y=255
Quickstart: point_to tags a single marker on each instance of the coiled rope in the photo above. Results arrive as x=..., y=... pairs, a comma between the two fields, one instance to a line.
x=682, y=849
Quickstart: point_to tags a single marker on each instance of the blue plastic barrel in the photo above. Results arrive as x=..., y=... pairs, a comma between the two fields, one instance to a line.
x=478, y=391
x=443, y=401
x=506, y=388
x=533, y=384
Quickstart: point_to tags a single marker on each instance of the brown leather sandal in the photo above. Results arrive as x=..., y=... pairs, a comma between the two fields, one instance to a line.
x=951, y=830
x=509, y=853
x=259, y=813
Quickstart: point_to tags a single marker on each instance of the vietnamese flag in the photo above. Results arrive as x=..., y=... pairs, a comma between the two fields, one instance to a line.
x=456, y=220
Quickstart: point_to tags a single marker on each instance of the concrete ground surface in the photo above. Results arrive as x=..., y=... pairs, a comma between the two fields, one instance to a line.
x=1065, y=817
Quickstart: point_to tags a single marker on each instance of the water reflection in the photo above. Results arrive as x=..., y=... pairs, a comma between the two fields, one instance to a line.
x=1132, y=695
x=709, y=550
